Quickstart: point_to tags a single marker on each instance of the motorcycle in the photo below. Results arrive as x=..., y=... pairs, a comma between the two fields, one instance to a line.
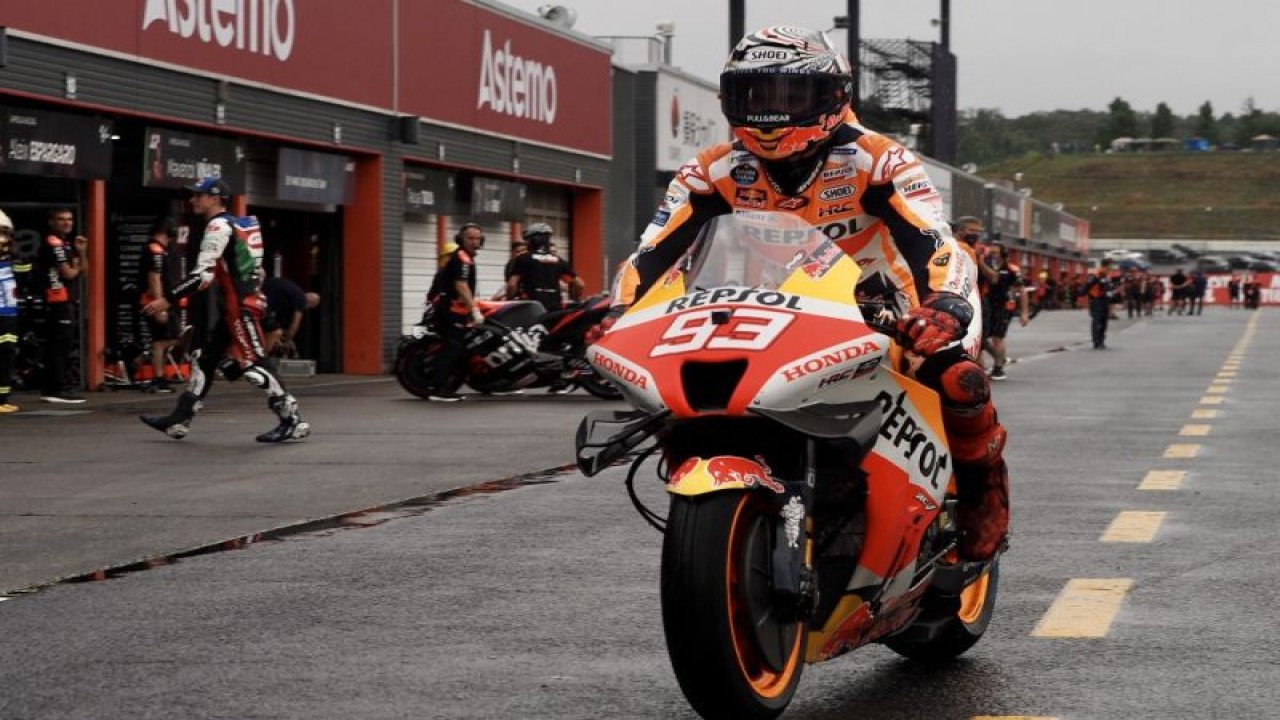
x=519, y=345
x=811, y=495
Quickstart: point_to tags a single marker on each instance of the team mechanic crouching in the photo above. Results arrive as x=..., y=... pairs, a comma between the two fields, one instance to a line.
x=232, y=264
x=799, y=148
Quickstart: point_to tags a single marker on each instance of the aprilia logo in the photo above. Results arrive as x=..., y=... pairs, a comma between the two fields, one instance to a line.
x=514, y=86
x=259, y=26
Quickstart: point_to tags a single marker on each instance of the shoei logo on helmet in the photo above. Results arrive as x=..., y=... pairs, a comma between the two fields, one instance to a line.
x=763, y=54
x=515, y=86
x=267, y=27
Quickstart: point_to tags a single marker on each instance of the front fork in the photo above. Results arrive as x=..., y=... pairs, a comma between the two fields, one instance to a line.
x=794, y=581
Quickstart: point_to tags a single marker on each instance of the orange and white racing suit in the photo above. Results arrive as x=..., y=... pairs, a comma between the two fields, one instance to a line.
x=872, y=197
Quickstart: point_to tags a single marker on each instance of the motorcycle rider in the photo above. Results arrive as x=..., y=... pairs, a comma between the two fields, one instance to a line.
x=234, y=343
x=798, y=147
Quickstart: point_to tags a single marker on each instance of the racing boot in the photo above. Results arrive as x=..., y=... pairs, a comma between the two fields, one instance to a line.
x=977, y=443
x=291, y=427
x=177, y=423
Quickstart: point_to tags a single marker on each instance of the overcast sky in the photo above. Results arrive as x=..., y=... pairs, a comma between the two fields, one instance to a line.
x=1019, y=56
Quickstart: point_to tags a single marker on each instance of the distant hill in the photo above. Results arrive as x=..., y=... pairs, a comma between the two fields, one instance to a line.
x=1158, y=194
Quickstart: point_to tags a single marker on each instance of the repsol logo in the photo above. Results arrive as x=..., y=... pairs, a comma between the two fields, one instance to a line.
x=622, y=372
x=267, y=27
x=756, y=296
x=826, y=360
x=901, y=430
x=512, y=85
x=840, y=230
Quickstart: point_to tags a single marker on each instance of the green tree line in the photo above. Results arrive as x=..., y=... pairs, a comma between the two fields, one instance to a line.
x=986, y=136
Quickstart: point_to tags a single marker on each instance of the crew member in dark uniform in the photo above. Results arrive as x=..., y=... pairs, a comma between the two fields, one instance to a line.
x=1098, y=289
x=453, y=297
x=155, y=282
x=537, y=274
x=61, y=260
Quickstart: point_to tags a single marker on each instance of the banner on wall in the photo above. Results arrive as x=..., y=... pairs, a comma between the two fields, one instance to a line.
x=497, y=200
x=311, y=177
x=44, y=142
x=688, y=120
x=429, y=192
x=173, y=159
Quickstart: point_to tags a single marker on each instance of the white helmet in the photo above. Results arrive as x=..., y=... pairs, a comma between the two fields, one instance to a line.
x=5, y=222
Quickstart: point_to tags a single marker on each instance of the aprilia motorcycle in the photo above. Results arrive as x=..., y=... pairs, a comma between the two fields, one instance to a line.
x=519, y=345
x=811, y=490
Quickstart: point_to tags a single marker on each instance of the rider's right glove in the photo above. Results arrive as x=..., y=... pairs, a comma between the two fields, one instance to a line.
x=934, y=325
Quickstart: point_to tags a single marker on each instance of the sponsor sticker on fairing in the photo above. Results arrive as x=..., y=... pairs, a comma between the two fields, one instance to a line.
x=839, y=192
x=744, y=174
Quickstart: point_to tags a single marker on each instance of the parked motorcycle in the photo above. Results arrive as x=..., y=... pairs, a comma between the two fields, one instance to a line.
x=520, y=345
x=812, y=500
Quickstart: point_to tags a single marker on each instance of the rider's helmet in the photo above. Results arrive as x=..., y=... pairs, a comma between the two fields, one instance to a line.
x=784, y=90
x=6, y=233
x=538, y=235
x=5, y=222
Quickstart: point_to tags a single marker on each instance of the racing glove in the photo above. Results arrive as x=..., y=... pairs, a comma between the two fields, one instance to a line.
x=477, y=317
x=935, y=325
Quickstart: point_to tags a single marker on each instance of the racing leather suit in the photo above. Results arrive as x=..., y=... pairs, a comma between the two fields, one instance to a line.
x=232, y=265
x=872, y=197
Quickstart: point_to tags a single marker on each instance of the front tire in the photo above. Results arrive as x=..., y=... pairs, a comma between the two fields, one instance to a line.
x=599, y=387
x=948, y=625
x=415, y=368
x=733, y=655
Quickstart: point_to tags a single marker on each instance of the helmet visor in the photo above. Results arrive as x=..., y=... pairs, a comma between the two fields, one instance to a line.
x=779, y=99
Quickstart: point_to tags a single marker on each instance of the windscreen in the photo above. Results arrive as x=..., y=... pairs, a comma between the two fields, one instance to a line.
x=754, y=249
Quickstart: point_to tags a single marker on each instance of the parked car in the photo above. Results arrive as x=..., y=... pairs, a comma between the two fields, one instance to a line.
x=1121, y=254
x=1263, y=266
x=1185, y=250
x=1212, y=263
x=1240, y=262
x=1133, y=263
x=1166, y=255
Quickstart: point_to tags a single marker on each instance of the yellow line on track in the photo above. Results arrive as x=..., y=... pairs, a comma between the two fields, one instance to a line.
x=1195, y=430
x=1217, y=389
x=1204, y=414
x=1163, y=480
x=1212, y=400
x=1084, y=608
x=1012, y=717
x=1133, y=526
x=1181, y=451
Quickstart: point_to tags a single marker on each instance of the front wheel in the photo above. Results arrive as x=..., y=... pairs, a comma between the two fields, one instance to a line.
x=734, y=652
x=415, y=368
x=948, y=625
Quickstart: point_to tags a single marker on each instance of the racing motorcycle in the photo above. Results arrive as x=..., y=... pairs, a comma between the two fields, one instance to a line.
x=811, y=494
x=519, y=345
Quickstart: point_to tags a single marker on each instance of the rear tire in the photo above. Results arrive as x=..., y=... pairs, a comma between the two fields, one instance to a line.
x=948, y=625
x=732, y=657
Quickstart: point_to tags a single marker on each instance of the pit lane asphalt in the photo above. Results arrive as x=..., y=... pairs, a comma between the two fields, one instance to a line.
x=542, y=602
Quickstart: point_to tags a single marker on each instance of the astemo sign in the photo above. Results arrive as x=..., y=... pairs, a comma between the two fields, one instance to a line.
x=515, y=86
x=258, y=26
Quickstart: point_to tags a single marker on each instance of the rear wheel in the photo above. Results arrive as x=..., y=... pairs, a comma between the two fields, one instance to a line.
x=948, y=625
x=733, y=653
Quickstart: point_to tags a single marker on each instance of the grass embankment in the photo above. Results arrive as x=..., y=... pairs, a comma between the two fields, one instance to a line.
x=1159, y=195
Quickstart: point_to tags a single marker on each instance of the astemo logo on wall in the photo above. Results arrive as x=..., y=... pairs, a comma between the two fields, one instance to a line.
x=259, y=26
x=515, y=86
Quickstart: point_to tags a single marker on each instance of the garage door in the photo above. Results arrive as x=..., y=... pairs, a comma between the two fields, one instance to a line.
x=419, y=255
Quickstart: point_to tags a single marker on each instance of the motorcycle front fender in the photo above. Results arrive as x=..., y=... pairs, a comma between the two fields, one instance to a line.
x=703, y=476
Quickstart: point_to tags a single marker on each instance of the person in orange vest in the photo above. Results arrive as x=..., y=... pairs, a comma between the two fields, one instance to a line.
x=1098, y=288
